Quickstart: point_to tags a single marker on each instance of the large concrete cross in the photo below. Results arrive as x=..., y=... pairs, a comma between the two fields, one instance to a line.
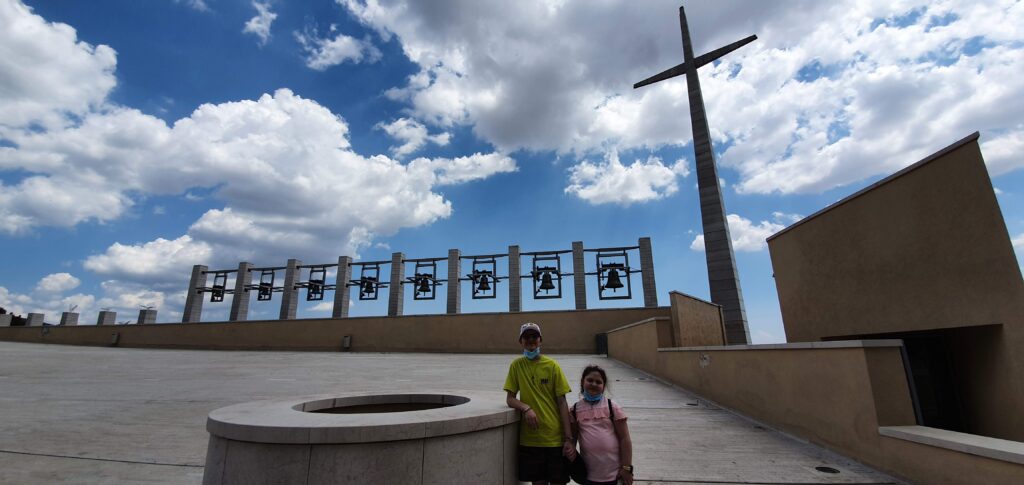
x=722, y=276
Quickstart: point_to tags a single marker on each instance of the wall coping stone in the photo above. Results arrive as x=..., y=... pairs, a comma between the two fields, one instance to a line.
x=994, y=448
x=636, y=324
x=694, y=298
x=834, y=344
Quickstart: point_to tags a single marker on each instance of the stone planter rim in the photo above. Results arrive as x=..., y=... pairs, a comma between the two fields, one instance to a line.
x=283, y=421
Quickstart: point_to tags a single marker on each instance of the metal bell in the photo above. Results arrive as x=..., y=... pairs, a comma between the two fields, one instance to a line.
x=424, y=285
x=545, y=281
x=485, y=284
x=614, y=282
x=315, y=291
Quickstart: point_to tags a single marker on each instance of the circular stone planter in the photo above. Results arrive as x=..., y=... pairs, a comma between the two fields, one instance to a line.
x=449, y=437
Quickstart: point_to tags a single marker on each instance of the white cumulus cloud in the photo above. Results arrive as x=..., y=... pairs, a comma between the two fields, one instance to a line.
x=57, y=283
x=831, y=93
x=412, y=134
x=746, y=235
x=611, y=182
x=324, y=52
x=449, y=171
x=47, y=72
x=260, y=24
x=199, y=5
x=160, y=257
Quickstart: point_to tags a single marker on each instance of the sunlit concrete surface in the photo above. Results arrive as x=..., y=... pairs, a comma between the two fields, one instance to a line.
x=109, y=415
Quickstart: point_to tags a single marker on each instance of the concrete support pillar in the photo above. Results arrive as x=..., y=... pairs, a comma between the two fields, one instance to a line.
x=342, y=295
x=579, y=277
x=5, y=319
x=396, y=293
x=147, y=317
x=647, y=273
x=69, y=319
x=106, y=317
x=194, y=299
x=34, y=320
x=454, y=285
x=290, y=294
x=240, y=300
x=515, y=283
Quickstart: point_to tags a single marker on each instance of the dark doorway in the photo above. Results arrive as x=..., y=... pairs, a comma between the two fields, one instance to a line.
x=930, y=359
x=931, y=372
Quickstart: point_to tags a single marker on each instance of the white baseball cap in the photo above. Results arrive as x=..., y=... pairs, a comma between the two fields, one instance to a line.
x=527, y=327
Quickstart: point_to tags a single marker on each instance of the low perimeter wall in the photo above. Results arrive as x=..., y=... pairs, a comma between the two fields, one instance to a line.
x=851, y=397
x=569, y=331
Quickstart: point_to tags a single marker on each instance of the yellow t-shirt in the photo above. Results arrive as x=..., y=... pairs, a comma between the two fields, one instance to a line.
x=539, y=383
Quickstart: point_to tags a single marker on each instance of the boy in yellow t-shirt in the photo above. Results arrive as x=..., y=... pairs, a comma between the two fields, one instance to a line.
x=544, y=432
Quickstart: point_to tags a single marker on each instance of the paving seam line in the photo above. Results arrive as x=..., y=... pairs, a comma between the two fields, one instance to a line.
x=101, y=459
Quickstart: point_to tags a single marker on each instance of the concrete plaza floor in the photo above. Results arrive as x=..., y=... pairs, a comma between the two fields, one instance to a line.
x=108, y=415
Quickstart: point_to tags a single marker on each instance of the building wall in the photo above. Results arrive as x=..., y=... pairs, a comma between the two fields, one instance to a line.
x=924, y=249
x=632, y=343
x=568, y=331
x=696, y=322
x=834, y=394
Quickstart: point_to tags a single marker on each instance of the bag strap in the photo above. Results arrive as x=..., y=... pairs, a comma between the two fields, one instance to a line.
x=611, y=413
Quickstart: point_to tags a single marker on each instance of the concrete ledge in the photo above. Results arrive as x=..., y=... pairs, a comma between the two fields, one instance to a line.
x=995, y=448
x=641, y=322
x=837, y=344
x=285, y=421
x=381, y=438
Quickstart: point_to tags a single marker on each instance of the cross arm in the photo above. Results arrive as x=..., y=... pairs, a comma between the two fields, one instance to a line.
x=663, y=75
x=698, y=62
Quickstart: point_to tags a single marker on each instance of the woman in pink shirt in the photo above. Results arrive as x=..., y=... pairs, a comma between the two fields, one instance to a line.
x=600, y=426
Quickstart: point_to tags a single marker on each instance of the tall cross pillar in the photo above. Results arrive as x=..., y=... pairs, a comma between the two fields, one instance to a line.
x=723, y=278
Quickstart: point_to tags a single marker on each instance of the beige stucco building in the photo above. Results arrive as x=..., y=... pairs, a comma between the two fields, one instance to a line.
x=923, y=256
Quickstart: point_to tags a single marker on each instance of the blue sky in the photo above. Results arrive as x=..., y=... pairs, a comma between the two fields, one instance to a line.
x=140, y=138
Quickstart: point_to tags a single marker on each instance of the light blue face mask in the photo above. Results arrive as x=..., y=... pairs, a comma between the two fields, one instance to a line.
x=532, y=354
x=591, y=397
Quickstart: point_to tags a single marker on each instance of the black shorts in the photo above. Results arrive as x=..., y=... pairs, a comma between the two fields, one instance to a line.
x=537, y=463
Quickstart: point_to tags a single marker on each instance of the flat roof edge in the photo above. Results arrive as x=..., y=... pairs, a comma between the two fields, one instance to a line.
x=832, y=344
x=955, y=145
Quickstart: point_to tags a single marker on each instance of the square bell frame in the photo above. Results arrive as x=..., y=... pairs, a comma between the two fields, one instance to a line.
x=430, y=274
x=220, y=283
x=613, y=261
x=538, y=272
x=265, y=289
x=369, y=278
x=484, y=268
x=316, y=284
